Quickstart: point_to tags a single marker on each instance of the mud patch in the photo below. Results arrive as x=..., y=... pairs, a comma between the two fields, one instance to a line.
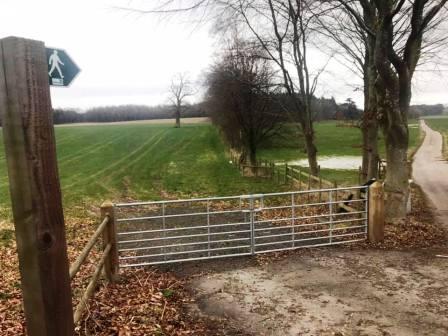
x=332, y=292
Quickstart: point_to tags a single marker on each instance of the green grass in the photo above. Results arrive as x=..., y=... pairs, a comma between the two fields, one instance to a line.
x=151, y=162
x=142, y=162
x=440, y=124
x=331, y=140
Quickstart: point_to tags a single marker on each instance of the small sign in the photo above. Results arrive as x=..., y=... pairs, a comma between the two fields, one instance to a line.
x=61, y=68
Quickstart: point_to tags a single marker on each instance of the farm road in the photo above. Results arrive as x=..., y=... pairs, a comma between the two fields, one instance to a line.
x=327, y=292
x=430, y=171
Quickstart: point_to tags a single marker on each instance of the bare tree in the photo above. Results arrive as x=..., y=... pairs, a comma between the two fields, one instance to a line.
x=179, y=90
x=354, y=49
x=283, y=29
x=398, y=33
x=240, y=98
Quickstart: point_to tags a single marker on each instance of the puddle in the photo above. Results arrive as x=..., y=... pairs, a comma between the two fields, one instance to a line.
x=332, y=162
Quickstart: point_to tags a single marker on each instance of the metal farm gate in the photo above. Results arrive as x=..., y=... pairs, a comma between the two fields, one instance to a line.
x=151, y=233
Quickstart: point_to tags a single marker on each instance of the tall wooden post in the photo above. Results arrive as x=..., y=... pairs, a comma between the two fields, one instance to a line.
x=376, y=212
x=110, y=237
x=30, y=148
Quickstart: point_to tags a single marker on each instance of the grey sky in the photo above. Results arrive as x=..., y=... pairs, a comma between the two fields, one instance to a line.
x=130, y=59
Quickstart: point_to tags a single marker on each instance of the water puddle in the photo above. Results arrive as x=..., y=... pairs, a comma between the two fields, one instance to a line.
x=332, y=162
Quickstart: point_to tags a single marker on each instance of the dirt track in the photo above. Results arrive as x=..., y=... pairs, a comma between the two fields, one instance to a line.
x=430, y=171
x=330, y=291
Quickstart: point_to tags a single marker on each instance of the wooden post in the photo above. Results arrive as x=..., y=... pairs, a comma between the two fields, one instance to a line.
x=359, y=175
x=360, y=179
x=30, y=148
x=110, y=236
x=335, y=192
x=286, y=173
x=309, y=186
x=320, y=187
x=376, y=212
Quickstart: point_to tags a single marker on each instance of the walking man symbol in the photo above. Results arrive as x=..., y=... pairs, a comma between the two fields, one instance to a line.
x=55, y=61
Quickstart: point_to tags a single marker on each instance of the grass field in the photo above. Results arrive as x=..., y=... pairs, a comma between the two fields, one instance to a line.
x=330, y=141
x=142, y=161
x=440, y=124
x=153, y=161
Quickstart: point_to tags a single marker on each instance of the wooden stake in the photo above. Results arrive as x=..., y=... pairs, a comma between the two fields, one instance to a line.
x=376, y=212
x=320, y=188
x=30, y=148
x=110, y=237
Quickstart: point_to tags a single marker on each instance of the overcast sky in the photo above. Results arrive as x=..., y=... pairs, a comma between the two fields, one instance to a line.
x=130, y=59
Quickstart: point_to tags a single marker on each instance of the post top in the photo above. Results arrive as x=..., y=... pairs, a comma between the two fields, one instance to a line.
x=107, y=204
x=376, y=185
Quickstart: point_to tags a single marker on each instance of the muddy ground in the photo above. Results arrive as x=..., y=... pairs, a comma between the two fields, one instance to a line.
x=327, y=291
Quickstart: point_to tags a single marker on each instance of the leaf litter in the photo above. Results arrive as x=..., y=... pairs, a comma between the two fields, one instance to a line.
x=148, y=301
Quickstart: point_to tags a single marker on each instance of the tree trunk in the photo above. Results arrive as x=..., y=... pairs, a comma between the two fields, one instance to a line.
x=252, y=153
x=311, y=151
x=177, y=117
x=369, y=128
x=372, y=150
x=370, y=155
x=252, y=156
x=365, y=152
x=395, y=129
x=397, y=183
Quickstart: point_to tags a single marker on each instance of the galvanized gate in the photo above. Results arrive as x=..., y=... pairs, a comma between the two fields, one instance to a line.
x=151, y=233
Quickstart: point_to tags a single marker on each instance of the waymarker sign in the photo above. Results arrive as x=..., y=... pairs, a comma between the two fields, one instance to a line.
x=61, y=68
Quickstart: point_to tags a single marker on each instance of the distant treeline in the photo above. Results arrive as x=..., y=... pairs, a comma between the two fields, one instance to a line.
x=325, y=109
x=124, y=113
x=426, y=110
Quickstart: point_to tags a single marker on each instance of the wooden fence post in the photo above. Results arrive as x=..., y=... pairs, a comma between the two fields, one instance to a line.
x=30, y=148
x=110, y=237
x=376, y=212
x=320, y=187
x=286, y=173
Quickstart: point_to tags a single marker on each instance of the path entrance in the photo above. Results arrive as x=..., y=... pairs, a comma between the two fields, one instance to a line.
x=327, y=292
x=430, y=171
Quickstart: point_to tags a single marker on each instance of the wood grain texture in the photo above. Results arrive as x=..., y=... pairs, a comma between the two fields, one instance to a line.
x=376, y=212
x=34, y=187
x=110, y=238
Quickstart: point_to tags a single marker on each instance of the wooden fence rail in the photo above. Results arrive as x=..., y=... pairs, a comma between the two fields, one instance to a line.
x=74, y=268
x=108, y=261
x=82, y=305
x=285, y=174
